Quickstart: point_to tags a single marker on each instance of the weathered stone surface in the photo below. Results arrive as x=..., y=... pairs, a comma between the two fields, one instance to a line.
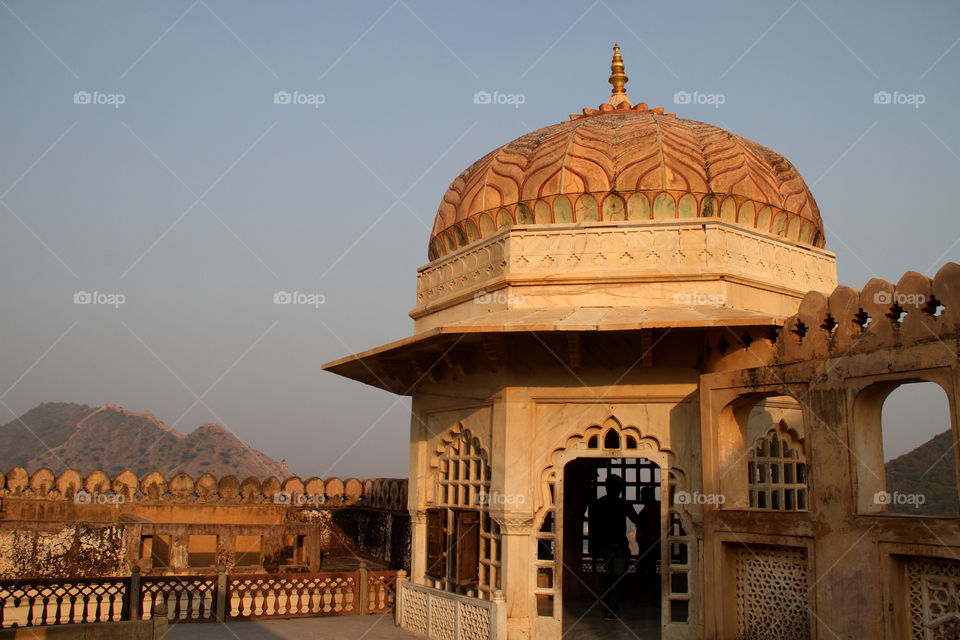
x=98, y=526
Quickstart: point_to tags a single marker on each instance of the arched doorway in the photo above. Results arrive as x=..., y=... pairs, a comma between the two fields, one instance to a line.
x=596, y=576
x=605, y=446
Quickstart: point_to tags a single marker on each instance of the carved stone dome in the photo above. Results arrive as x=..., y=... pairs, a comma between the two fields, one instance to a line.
x=625, y=163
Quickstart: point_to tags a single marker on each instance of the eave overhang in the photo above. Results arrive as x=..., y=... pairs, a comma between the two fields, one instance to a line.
x=401, y=365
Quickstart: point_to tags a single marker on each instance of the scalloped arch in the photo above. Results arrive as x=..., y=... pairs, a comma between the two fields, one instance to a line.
x=576, y=446
x=453, y=434
x=781, y=428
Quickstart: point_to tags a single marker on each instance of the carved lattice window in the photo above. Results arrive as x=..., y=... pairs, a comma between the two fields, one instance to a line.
x=772, y=587
x=778, y=473
x=463, y=541
x=545, y=561
x=679, y=562
x=934, y=598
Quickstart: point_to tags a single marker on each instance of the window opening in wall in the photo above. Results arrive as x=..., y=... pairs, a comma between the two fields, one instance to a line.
x=463, y=541
x=202, y=550
x=156, y=548
x=247, y=551
x=777, y=471
x=919, y=459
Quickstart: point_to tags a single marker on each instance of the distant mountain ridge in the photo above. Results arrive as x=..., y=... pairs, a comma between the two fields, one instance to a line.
x=928, y=470
x=62, y=435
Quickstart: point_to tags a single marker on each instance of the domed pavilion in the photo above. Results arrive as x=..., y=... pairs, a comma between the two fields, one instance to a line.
x=623, y=294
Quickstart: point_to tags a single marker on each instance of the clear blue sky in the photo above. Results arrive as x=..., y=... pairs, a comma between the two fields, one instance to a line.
x=199, y=197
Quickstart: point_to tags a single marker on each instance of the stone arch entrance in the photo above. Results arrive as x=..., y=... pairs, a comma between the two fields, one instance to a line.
x=608, y=446
x=591, y=578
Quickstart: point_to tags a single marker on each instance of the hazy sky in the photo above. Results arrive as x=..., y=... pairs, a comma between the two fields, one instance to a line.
x=184, y=187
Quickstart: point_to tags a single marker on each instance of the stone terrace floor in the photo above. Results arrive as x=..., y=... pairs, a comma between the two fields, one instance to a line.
x=372, y=627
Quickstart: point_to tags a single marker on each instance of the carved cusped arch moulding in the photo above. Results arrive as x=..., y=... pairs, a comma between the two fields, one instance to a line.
x=451, y=435
x=590, y=443
x=782, y=429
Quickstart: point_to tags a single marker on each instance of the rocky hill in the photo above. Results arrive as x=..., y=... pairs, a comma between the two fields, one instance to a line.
x=930, y=471
x=64, y=435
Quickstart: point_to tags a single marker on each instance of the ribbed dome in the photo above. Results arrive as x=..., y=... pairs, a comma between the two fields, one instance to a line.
x=625, y=163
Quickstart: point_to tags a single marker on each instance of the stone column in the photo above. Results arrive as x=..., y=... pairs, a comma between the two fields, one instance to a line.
x=221, y=604
x=417, y=491
x=179, y=543
x=418, y=546
x=516, y=563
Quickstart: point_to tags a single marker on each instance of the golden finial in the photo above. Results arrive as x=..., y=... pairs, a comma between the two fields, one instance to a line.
x=617, y=77
x=619, y=102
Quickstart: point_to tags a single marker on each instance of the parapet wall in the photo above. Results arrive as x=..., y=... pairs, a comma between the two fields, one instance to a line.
x=883, y=316
x=97, y=488
x=68, y=525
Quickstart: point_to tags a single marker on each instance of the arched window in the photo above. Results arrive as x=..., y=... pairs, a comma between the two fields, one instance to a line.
x=904, y=446
x=778, y=472
x=919, y=461
x=463, y=542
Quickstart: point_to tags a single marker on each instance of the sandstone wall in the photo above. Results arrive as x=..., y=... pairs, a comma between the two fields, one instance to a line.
x=70, y=525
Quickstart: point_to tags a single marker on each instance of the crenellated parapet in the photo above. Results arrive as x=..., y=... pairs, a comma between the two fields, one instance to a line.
x=882, y=315
x=98, y=487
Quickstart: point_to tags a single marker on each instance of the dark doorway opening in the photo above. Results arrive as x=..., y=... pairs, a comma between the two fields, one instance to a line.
x=600, y=568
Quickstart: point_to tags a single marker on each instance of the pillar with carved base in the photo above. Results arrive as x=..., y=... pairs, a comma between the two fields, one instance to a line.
x=515, y=530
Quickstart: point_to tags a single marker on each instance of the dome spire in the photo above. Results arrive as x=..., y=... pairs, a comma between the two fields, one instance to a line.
x=618, y=97
x=617, y=77
x=619, y=101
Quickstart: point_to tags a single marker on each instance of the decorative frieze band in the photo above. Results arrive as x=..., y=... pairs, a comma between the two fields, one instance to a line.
x=643, y=251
